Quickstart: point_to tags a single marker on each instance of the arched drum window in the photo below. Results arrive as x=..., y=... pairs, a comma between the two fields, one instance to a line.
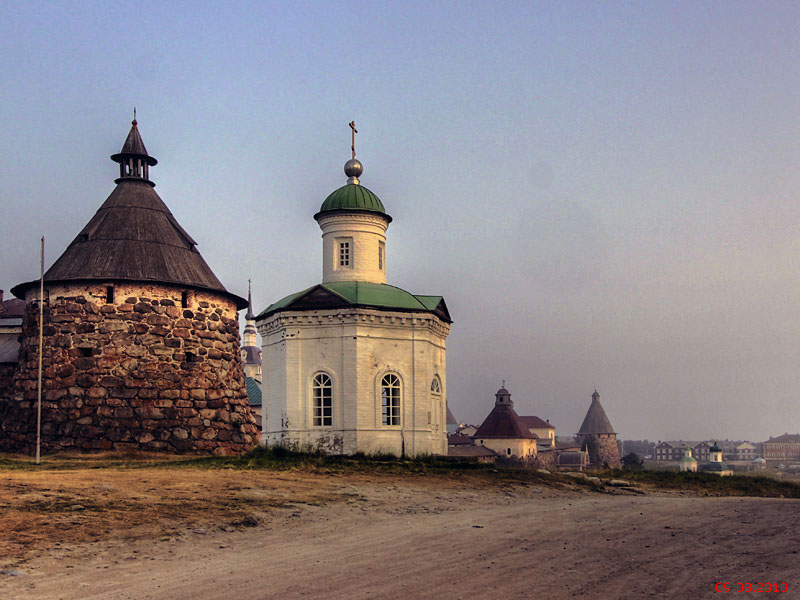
x=323, y=400
x=390, y=399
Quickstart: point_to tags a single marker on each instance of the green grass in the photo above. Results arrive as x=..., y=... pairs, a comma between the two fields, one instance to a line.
x=734, y=485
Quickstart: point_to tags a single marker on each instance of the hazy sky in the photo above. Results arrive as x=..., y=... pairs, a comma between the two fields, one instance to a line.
x=606, y=194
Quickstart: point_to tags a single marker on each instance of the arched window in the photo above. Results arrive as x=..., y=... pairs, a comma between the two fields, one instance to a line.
x=322, y=390
x=390, y=399
x=434, y=416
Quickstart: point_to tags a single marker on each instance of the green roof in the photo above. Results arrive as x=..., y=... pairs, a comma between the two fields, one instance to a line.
x=359, y=293
x=352, y=196
x=253, y=391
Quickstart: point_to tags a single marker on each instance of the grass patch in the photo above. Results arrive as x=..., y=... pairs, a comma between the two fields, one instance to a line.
x=734, y=485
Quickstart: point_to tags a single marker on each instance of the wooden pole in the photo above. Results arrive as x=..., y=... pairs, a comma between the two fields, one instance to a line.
x=41, y=327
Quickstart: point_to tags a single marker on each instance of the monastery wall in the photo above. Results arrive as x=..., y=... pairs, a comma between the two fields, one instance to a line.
x=141, y=372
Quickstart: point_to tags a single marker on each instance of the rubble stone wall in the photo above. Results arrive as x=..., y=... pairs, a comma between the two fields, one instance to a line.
x=602, y=449
x=142, y=372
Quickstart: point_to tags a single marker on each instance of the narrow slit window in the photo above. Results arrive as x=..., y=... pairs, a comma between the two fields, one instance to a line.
x=110, y=294
x=380, y=256
x=185, y=299
x=344, y=254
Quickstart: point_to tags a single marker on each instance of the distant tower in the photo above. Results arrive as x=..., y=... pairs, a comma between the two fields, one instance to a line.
x=597, y=436
x=504, y=432
x=251, y=353
x=141, y=340
x=715, y=453
x=688, y=462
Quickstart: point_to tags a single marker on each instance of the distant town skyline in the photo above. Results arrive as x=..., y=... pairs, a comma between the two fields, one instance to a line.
x=607, y=196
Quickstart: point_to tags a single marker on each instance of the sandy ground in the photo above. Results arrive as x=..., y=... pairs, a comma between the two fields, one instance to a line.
x=178, y=533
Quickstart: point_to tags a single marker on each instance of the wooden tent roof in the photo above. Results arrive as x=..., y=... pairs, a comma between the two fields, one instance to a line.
x=596, y=420
x=134, y=237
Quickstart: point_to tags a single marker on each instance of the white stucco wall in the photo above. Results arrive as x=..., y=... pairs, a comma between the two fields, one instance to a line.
x=356, y=347
x=366, y=234
x=520, y=447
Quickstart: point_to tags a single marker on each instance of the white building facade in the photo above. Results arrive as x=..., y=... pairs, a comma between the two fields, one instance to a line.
x=353, y=364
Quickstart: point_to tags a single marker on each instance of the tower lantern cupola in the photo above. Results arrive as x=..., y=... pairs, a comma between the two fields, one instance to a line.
x=134, y=162
x=353, y=223
x=503, y=397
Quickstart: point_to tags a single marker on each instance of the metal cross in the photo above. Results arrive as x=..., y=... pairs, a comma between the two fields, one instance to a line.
x=353, y=143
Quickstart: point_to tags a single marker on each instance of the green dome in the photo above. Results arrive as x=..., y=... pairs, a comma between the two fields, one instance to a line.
x=352, y=196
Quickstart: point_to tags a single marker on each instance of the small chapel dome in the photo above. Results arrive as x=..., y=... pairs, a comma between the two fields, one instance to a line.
x=353, y=196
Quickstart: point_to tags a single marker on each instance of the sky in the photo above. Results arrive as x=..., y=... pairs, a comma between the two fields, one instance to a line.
x=605, y=193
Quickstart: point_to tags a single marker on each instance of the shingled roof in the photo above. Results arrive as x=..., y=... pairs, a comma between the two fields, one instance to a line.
x=596, y=420
x=503, y=421
x=134, y=237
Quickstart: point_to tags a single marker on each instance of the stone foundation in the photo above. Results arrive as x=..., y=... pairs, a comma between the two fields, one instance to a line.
x=142, y=372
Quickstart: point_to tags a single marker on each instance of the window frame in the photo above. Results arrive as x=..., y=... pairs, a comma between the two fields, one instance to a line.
x=344, y=253
x=319, y=387
x=391, y=400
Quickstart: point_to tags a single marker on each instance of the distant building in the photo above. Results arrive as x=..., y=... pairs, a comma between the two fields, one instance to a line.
x=254, y=398
x=467, y=430
x=688, y=462
x=597, y=436
x=572, y=460
x=251, y=353
x=745, y=451
x=11, y=313
x=542, y=429
x=451, y=423
x=664, y=451
x=701, y=451
x=504, y=432
x=716, y=466
x=783, y=447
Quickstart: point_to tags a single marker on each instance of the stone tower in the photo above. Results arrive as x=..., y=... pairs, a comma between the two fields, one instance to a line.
x=597, y=436
x=141, y=340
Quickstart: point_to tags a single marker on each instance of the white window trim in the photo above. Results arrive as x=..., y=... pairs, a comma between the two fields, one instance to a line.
x=330, y=386
x=338, y=253
x=379, y=400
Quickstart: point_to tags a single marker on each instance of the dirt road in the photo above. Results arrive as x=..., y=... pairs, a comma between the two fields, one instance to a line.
x=356, y=536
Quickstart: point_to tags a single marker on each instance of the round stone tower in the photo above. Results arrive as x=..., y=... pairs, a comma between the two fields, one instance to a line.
x=597, y=436
x=140, y=338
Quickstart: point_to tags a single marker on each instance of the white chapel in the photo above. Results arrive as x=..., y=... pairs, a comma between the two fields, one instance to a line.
x=353, y=364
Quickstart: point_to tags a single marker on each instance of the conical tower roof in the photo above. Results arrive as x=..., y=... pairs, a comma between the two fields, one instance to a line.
x=134, y=237
x=596, y=420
